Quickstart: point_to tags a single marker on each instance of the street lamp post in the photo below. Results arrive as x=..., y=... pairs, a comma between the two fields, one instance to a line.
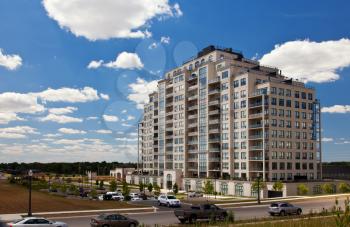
x=30, y=175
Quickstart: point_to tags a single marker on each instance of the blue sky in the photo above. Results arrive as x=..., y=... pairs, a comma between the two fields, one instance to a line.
x=74, y=76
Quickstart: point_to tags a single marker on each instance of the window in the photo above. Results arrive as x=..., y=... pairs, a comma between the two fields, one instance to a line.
x=243, y=104
x=296, y=94
x=296, y=104
x=236, y=83
x=224, y=188
x=309, y=96
x=224, y=86
x=243, y=155
x=289, y=165
x=303, y=95
x=236, y=95
x=243, y=93
x=239, y=189
x=273, y=101
x=243, y=81
x=303, y=105
x=273, y=90
x=281, y=102
x=281, y=91
x=224, y=75
x=224, y=97
x=288, y=92
x=288, y=103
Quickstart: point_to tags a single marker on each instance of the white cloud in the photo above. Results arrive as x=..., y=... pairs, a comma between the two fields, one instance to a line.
x=165, y=39
x=130, y=117
x=61, y=119
x=104, y=96
x=124, y=111
x=71, y=131
x=103, y=131
x=105, y=19
x=126, y=60
x=91, y=118
x=64, y=110
x=126, y=139
x=310, y=61
x=95, y=64
x=327, y=139
x=5, y=118
x=152, y=45
x=17, y=132
x=140, y=91
x=110, y=118
x=336, y=109
x=11, y=102
x=51, y=135
x=72, y=95
x=126, y=125
x=10, y=62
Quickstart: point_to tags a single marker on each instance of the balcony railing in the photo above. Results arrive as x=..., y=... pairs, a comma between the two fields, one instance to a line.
x=215, y=102
x=214, y=140
x=193, y=107
x=192, y=142
x=192, y=116
x=193, y=125
x=194, y=97
x=214, y=130
x=193, y=87
x=216, y=80
x=214, y=112
x=217, y=121
x=214, y=159
x=214, y=91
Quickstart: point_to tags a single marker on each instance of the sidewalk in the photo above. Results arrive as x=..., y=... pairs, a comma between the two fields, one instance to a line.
x=10, y=217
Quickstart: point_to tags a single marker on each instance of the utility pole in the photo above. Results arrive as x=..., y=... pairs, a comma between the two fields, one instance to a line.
x=30, y=175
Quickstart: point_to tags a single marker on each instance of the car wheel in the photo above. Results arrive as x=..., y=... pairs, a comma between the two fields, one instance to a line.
x=299, y=211
x=193, y=219
x=183, y=221
x=282, y=213
x=159, y=203
x=132, y=225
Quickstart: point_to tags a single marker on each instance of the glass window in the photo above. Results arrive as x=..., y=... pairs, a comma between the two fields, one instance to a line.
x=224, y=75
x=236, y=83
x=243, y=81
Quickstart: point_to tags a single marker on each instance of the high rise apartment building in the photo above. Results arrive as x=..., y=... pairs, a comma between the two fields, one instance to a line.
x=220, y=115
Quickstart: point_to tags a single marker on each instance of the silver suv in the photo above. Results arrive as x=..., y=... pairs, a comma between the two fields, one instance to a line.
x=284, y=209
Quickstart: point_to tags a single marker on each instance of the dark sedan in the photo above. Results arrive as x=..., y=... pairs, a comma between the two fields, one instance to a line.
x=113, y=220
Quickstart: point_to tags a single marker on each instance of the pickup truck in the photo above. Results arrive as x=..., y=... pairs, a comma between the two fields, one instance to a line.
x=204, y=211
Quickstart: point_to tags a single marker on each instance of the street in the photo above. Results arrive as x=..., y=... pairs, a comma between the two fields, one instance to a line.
x=165, y=216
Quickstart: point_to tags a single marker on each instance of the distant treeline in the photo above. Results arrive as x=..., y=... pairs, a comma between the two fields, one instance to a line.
x=102, y=168
x=336, y=164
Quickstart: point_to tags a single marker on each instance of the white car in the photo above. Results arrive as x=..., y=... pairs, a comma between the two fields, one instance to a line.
x=133, y=194
x=36, y=222
x=169, y=200
x=136, y=198
x=116, y=196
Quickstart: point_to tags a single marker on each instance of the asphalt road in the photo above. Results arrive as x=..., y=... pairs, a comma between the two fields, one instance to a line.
x=165, y=216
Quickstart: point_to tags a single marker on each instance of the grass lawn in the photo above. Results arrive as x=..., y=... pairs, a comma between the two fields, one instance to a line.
x=14, y=199
x=308, y=222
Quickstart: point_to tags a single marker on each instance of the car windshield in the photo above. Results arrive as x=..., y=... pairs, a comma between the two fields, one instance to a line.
x=19, y=220
x=274, y=205
x=171, y=197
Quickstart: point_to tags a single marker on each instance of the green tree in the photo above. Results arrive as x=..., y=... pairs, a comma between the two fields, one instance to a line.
x=141, y=187
x=327, y=188
x=208, y=187
x=63, y=188
x=278, y=186
x=125, y=189
x=344, y=187
x=150, y=187
x=175, y=189
x=113, y=186
x=302, y=189
x=72, y=189
x=156, y=189
x=258, y=184
x=102, y=184
x=93, y=194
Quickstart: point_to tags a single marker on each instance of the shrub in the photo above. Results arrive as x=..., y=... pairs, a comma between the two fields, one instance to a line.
x=113, y=186
x=93, y=193
x=327, y=188
x=101, y=184
x=156, y=190
x=175, y=189
x=302, y=189
x=344, y=187
x=125, y=190
x=150, y=187
x=277, y=186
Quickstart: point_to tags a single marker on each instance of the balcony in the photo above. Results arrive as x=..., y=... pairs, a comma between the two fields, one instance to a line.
x=193, y=116
x=255, y=115
x=192, y=133
x=192, y=159
x=169, y=114
x=214, y=149
x=195, y=107
x=216, y=159
x=214, y=91
x=255, y=126
x=257, y=104
x=214, y=130
x=169, y=144
x=256, y=147
x=214, y=140
x=193, y=87
x=194, y=97
x=216, y=121
x=192, y=77
x=214, y=112
x=193, y=168
x=256, y=137
x=169, y=95
x=169, y=104
x=215, y=80
x=192, y=151
x=192, y=125
x=214, y=103
x=192, y=142
x=256, y=158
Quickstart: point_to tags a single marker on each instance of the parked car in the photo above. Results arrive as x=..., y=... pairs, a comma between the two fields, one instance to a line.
x=203, y=211
x=195, y=194
x=36, y=222
x=116, y=196
x=169, y=201
x=107, y=197
x=282, y=209
x=136, y=198
x=112, y=220
x=133, y=194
